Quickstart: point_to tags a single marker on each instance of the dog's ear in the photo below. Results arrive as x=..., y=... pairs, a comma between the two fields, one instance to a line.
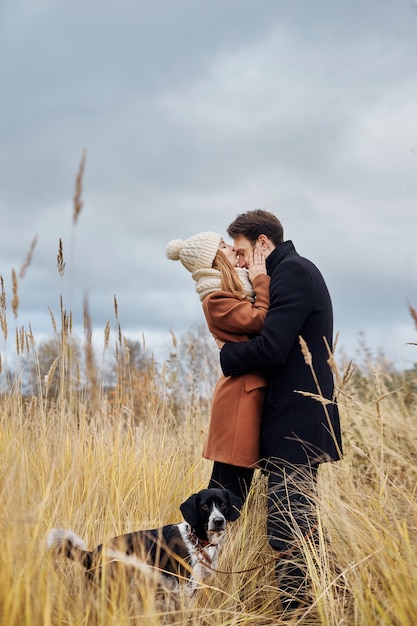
x=235, y=504
x=189, y=510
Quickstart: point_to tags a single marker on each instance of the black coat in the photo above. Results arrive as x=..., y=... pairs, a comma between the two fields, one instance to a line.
x=295, y=428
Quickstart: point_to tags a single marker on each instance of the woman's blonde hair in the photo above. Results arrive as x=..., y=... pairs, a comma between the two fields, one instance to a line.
x=230, y=281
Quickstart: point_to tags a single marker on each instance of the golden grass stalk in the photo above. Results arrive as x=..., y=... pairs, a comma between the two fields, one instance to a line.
x=17, y=341
x=319, y=395
x=3, y=325
x=413, y=314
x=15, y=299
x=60, y=259
x=106, y=336
x=29, y=256
x=3, y=307
x=53, y=320
x=91, y=368
x=3, y=301
x=78, y=203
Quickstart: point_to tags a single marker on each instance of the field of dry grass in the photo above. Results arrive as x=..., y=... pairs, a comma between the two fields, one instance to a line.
x=90, y=460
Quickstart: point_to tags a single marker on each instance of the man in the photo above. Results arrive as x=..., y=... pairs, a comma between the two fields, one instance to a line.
x=298, y=431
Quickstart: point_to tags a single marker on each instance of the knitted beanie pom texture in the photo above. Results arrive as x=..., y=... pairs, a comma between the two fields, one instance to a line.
x=173, y=249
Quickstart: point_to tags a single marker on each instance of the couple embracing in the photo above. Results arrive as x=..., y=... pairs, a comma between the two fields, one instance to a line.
x=271, y=314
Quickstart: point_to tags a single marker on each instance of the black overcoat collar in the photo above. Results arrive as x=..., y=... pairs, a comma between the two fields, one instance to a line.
x=281, y=251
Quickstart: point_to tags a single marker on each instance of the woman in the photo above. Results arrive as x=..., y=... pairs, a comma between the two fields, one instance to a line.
x=235, y=302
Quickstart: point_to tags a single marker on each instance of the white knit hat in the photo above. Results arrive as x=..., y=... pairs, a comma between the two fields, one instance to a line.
x=195, y=253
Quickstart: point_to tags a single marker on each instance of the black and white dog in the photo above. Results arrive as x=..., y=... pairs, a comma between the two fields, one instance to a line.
x=188, y=550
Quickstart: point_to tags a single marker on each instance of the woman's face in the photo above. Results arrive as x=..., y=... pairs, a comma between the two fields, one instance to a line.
x=229, y=253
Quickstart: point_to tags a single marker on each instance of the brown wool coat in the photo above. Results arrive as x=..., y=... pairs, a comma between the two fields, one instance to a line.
x=237, y=403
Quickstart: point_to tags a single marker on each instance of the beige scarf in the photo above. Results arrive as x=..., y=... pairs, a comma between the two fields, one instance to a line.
x=208, y=280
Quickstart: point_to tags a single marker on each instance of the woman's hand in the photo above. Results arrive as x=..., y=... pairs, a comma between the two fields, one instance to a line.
x=256, y=265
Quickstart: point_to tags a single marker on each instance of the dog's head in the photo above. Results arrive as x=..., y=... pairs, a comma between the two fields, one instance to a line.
x=209, y=510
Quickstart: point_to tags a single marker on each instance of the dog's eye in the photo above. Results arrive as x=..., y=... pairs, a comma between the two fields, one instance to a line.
x=223, y=506
x=205, y=507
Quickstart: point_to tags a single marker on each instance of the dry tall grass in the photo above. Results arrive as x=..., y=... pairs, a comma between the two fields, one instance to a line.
x=87, y=461
x=103, y=463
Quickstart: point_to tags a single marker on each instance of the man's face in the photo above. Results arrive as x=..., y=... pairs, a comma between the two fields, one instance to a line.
x=243, y=248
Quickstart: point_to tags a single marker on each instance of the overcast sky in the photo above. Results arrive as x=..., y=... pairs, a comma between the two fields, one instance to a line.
x=192, y=112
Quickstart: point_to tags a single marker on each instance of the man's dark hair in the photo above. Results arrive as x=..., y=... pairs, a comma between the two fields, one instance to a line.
x=257, y=222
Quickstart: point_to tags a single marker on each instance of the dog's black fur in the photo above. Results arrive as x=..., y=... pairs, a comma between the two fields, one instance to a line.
x=188, y=550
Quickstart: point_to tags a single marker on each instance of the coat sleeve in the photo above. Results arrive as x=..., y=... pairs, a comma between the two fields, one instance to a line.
x=228, y=316
x=291, y=302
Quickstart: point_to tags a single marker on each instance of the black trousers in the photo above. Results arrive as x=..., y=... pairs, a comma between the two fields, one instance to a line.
x=292, y=499
x=292, y=515
x=237, y=479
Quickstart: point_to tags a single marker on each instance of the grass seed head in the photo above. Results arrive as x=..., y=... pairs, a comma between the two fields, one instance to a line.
x=78, y=203
x=15, y=299
x=29, y=256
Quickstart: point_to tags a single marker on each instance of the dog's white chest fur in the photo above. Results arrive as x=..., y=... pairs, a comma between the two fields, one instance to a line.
x=203, y=557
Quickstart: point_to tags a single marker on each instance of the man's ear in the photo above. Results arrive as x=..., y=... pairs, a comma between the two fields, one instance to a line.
x=264, y=242
x=235, y=504
x=189, y=510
